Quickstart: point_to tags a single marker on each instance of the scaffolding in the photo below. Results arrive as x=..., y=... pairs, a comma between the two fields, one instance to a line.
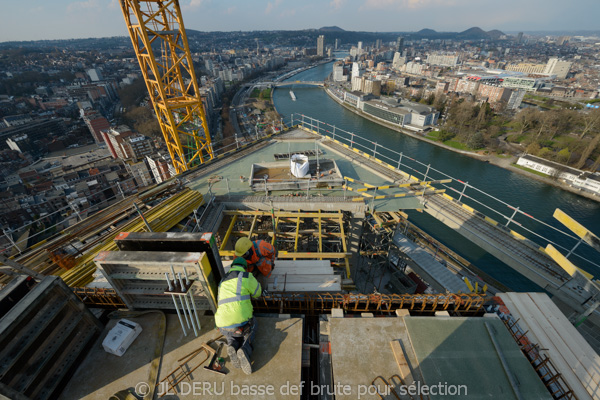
x=296, y=235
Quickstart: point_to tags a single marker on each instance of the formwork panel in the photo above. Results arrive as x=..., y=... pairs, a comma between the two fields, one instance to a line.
x=41, y=337
x=138, y=276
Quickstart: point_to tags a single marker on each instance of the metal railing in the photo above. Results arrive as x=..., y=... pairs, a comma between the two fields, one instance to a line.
x=464, y=192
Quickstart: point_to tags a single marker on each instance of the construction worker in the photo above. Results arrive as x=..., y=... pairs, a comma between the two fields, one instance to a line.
x=234, y=316
x=260, y=256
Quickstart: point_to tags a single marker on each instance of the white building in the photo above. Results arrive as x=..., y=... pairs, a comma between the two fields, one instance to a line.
x=338, y=73
x=398, y=61
x=357, y=70
x=446, y=60
x=583, y=180
x=558, y=67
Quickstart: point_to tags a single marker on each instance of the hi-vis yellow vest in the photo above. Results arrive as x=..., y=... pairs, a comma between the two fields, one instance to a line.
x=235, y=292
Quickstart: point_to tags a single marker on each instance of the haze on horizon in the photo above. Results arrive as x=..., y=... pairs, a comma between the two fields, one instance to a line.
x=67, y=19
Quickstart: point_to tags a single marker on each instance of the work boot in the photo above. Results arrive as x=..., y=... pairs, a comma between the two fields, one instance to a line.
x=244, y=361
x=235, y=361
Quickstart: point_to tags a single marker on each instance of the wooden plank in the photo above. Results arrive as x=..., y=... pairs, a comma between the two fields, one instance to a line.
x=581, y=362
x=405, y=372
x=566, y=328
x=281, y=279
x=529, y=322
x=308, y=287
x=304, y=271
x=302, y=263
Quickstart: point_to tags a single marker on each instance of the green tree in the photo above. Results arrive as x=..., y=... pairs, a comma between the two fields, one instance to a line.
x=564, y=155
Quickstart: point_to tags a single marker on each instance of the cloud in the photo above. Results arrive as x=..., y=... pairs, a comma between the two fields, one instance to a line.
x=231, y=10
x=272, y=6
x=114, y=4
x=288, y=13
x=337, y=4
x=403, y=4
x=83, y=5
x=194, y=4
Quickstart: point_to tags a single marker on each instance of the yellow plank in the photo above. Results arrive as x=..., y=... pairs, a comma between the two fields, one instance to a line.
x=466, y=207
x=228, y=233
x=577, y=228
x=565, y=263
x=491, y=221
x=518, y=235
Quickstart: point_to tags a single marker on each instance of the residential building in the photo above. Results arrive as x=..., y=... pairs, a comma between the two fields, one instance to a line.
x=515, y=100
x=494, y=94
x=338, y=72
x=137, y=146
x=95, y=123
x=161, y=167
x=321, y=46
x=114, y=138
x=398, y=61
x=446, y=60
x=441, y=87
x=372, y=86
x=358, y=84
x=467, y=86
x=357, y=70
x=400, y=45
x=140, y=173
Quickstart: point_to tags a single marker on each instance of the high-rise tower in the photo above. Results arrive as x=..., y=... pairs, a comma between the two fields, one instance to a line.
x=321, y=46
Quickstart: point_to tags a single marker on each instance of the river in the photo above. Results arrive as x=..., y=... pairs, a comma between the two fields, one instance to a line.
x=530, y=195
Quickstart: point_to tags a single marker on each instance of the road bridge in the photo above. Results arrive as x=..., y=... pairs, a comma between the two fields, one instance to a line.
x=290, y=83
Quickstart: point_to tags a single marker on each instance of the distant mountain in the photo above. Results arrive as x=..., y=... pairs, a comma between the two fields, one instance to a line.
x=472, y=33
x=331, y=29
x=476, y=33
x=495, y=34
x=426, y=32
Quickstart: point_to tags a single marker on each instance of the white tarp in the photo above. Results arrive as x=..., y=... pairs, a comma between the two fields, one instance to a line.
x=299, y=165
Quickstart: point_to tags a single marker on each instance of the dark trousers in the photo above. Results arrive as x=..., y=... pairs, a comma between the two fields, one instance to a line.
x=241, y=337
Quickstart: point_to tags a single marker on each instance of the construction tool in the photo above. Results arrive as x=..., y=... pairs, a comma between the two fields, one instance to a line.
x=211, y=364
x=184, y=371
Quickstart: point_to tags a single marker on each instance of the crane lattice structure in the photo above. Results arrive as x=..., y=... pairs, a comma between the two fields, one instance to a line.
x=156, y=26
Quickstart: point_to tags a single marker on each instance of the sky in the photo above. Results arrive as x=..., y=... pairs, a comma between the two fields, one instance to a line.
x=66, y=19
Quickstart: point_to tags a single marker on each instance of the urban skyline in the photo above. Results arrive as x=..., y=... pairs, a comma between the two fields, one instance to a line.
x=66, y=19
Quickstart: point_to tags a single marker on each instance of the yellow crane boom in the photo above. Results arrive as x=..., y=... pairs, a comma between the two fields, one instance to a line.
x=157, y=26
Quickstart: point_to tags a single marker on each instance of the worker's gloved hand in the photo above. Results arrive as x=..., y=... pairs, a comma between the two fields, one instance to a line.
x=265, y=293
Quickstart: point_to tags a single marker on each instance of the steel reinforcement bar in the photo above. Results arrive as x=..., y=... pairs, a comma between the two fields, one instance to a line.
x=322, y=303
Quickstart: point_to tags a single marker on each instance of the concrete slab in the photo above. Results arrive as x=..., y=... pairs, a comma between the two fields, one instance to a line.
x=351, y=168
x=361, y=351
x=276, y=363
x=458, y=351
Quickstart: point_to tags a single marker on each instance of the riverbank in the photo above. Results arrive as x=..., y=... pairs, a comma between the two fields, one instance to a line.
x=502, y=162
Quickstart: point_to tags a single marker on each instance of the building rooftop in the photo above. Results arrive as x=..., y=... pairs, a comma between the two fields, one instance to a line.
x=276, y=362
x=465, y=353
